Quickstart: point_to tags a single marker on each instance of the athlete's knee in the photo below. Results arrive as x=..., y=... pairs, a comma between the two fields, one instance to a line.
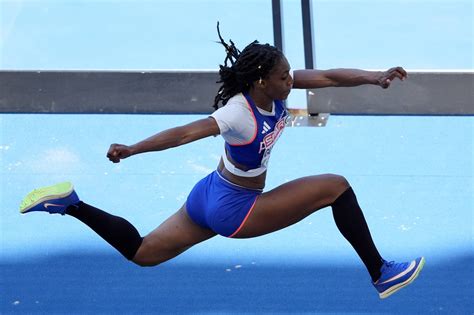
x=336, y=185
x=146, y=255
x=339, y=182
x=145, y=263
x=153, y=252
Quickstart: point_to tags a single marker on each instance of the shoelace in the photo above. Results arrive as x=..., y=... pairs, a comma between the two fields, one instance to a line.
x=391, y=264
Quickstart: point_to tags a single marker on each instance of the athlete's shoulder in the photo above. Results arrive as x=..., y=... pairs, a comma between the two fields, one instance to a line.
x=237, y=100
x=235, y=116
x=236, y=106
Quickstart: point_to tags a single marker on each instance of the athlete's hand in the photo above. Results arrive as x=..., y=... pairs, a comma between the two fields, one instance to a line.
x=388, y=76
x=118, y=152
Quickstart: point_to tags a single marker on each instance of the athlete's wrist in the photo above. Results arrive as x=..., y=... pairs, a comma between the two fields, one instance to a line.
x=134, y=149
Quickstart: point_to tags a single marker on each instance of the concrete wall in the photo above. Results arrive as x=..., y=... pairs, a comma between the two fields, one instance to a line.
x=182, y=92
x=423, y=93
x=107, y=92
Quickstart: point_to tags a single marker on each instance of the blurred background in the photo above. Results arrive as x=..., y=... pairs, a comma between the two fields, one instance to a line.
x=181, y=34
x=413, y=174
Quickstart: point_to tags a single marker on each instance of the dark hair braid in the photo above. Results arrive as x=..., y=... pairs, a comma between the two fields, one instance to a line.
x=247, y=66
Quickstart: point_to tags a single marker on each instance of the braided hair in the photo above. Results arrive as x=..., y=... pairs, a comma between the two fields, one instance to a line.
x=247, y=66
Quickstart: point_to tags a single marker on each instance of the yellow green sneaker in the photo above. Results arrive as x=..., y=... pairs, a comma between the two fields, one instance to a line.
x=52, y=199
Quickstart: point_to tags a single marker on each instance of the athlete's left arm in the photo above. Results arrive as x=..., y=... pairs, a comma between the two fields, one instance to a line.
x=313, y=79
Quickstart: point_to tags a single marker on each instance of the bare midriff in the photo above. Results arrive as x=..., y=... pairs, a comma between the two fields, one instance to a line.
x=257, y=182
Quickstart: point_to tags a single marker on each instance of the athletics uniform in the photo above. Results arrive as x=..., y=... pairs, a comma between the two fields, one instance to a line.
x=249, y=133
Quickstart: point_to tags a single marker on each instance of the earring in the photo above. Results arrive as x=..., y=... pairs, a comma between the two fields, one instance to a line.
x=260, y=81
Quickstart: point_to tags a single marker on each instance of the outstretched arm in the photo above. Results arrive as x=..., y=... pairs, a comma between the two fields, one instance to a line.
x=313, y=79
x=166, y=139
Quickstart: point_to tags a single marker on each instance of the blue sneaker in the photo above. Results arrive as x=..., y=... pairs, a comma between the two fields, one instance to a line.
x=52, y=199
x=397, y=275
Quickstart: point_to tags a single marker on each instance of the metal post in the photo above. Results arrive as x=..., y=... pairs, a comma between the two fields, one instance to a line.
x=277, y=24
x=309, y=52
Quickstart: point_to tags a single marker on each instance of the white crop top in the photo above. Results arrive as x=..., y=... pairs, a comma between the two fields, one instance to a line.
x=238, y=125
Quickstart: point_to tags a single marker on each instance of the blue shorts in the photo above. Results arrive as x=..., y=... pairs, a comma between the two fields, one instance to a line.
x=217, y=204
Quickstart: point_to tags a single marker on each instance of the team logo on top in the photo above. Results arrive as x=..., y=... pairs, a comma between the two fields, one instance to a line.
x=266, y=127
x=272, y=137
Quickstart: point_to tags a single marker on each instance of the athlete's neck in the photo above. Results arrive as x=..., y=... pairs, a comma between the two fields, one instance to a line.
x=261, y=100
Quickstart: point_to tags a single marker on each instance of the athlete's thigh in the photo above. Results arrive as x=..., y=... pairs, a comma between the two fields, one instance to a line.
x=175, y=235
x=291, y=202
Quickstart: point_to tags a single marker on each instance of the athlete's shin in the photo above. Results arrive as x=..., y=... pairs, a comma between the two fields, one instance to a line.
x=118, y=232
x=351, y=223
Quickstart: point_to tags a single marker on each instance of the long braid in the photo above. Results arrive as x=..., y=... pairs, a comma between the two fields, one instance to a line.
x=231, y=50
x=246, y=67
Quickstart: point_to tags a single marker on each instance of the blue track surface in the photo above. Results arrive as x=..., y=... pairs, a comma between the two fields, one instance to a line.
x=413, y=177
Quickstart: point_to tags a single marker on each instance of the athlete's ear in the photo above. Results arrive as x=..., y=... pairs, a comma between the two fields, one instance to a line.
x=261, y=83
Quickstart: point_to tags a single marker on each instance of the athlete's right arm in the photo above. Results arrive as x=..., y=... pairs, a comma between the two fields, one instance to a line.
x=166, y=139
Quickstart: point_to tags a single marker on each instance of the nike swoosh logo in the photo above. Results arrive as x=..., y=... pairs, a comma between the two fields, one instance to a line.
x=412, y=265
x=47, y=205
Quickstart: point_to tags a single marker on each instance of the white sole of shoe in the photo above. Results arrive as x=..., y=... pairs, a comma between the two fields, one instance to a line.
x=385, y=294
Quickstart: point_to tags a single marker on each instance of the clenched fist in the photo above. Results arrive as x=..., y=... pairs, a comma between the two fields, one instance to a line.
x=387, y=77
x=118, y=152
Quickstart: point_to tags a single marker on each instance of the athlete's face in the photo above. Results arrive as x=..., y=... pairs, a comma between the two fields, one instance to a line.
x=277, y=85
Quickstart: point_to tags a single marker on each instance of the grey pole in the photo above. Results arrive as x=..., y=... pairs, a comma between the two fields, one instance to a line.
x=277, y=24
x=309, y=52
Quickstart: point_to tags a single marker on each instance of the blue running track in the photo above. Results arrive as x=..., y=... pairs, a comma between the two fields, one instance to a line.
x=413, y=177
